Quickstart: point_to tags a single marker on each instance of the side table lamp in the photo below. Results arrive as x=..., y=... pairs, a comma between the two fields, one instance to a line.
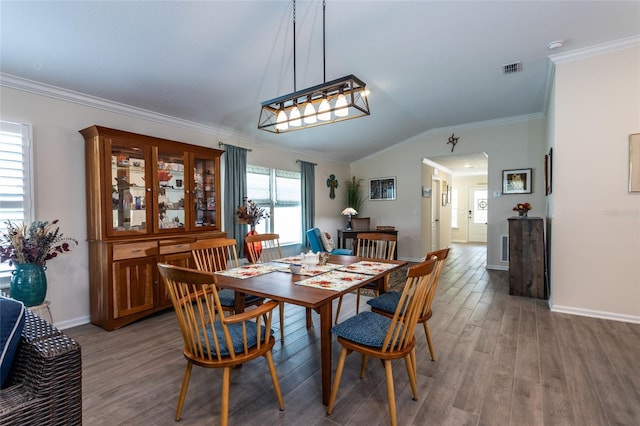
x=349, y=211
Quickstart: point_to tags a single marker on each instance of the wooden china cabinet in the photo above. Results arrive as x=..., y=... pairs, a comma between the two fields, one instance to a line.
x=148, y=199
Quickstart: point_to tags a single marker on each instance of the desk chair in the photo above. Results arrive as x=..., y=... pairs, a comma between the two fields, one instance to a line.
x=264, y=248
x=387, y=303
x=213, y=340
x=385, y=338
x=216, y=254
x=374, y=246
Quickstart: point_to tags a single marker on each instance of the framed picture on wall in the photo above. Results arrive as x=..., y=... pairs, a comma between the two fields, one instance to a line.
x=382, y=188
x=517, y=181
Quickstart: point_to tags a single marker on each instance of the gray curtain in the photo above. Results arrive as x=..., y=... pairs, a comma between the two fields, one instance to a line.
x=235, y=178
x=307, y=198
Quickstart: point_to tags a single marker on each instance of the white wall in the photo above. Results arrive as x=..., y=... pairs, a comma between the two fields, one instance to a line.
x=595, y=268
x=60, y=177
x=511, y=144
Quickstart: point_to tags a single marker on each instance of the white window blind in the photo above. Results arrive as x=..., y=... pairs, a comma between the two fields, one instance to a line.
x=15, y=181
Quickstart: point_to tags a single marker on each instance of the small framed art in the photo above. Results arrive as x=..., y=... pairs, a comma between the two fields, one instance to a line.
x=517, y=181
x=382, y=188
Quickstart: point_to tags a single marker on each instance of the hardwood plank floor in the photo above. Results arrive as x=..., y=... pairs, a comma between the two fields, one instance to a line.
x=500, y=360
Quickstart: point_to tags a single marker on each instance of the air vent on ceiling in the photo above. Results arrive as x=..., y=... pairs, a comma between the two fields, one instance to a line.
x=511, y=68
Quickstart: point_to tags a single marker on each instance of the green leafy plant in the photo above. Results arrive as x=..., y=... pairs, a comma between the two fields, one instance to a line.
x=354, y=193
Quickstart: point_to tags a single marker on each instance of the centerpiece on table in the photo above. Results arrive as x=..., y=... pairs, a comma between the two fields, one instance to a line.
x=251, y=214
x=28, y=248
x=522, y=209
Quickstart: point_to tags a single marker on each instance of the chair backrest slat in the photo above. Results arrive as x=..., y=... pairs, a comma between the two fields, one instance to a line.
x=263, y=247
x=214, y=254
x=376, y=245
x=405, y=318
x=441, y=257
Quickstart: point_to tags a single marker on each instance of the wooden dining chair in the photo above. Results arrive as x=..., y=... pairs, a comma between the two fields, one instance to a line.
x=387, y=303
x=387, y=339
x=213, y=340
x=264, y=248
x=373, y=246
x=218, y=254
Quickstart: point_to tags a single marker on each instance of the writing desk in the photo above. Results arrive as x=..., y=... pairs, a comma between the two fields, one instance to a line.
x=350, y=234
x=281, y=286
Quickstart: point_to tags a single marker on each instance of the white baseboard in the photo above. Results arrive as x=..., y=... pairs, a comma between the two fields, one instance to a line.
x=62, y=325
x=498, y=267
x=594, y=314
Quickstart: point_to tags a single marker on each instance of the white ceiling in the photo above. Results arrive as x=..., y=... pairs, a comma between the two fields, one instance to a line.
x=428, y=64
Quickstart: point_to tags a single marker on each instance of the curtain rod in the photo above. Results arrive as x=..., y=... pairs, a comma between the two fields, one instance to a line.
x=222, y=143
x=300, y=161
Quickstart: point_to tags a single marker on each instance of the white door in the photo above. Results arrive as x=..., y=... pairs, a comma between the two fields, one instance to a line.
x=435, y=215
x=478, y=214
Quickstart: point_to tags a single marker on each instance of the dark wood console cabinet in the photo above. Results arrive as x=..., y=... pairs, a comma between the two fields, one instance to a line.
x=527, y=257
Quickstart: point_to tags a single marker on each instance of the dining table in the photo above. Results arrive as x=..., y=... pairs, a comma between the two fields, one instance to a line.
x=315, y=288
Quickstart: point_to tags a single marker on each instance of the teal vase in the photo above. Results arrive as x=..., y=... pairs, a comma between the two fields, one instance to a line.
x=28, y=284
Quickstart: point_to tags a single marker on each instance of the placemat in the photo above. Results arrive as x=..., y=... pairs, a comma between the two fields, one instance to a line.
x=248, y=271
x=334, y=280
x=368, y=267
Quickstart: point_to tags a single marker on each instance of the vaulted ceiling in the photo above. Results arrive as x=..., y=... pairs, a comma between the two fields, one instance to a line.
x=427, y=64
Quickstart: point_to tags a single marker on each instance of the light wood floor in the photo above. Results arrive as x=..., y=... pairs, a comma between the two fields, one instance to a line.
x=501, y=360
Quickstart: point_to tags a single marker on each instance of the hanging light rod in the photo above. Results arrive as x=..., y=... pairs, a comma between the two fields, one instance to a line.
x=330, y=102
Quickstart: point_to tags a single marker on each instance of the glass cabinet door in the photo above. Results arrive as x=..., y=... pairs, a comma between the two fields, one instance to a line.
x=204, y=191
x=130, y=189
x=170, y=190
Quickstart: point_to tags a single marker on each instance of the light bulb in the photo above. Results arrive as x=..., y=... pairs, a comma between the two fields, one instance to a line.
x=341, y=109
x=281, y=121
x=294, y=117
x=309, y=113
x=324, y=110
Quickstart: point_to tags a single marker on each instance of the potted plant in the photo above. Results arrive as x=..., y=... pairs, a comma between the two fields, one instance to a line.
x=354, y=195
x=28, y=248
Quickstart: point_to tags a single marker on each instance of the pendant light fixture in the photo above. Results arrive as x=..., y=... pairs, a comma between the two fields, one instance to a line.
x=330, y=102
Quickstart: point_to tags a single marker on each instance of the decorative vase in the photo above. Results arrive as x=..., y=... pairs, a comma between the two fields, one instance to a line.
x=28, y=284
x=257, y=247
x=522, y=213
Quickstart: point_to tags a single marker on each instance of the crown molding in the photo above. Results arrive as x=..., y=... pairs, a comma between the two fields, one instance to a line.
x=54, y=92
x=596, y=50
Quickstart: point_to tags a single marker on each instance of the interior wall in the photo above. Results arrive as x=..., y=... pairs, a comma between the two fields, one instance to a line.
x=595, y=266
x=511, y=144
x=59, y=179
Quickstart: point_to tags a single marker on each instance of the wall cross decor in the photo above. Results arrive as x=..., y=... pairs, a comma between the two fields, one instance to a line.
x=453, y=141
x=332, y=184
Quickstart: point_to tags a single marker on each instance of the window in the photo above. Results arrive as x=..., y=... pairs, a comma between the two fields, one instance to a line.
x=15, y=181
x=279, y=192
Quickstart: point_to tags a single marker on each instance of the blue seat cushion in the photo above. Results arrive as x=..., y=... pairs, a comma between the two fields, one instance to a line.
x=386, y=302
x=235, y=330
x=346, y=252
x=228, y=298
x=366, y=328
x=12, y=314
